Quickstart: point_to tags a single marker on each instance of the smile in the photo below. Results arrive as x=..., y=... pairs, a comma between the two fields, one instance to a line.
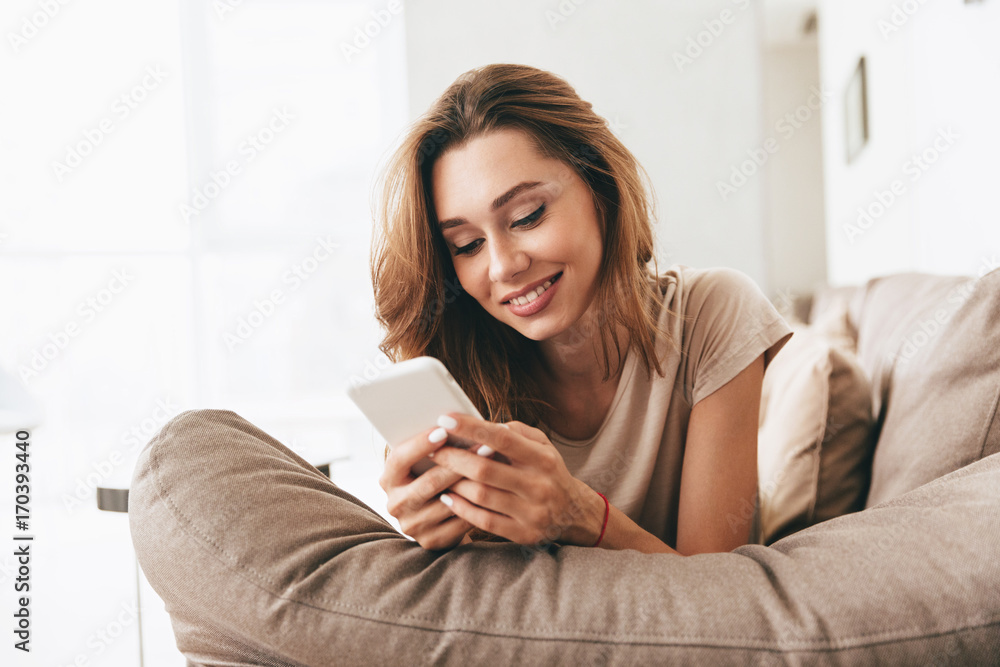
x=530, y=296
x=533, y=294
x=535, y=300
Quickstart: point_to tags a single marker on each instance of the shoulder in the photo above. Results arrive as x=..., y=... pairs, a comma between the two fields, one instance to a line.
x=722, y=321
x=690, y=291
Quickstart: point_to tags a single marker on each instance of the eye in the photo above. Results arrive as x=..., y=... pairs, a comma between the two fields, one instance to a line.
x=531, y=219
x=526, y=221
x=468, y=248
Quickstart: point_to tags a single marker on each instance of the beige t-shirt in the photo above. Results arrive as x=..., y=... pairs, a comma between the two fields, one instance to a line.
x=635, y=457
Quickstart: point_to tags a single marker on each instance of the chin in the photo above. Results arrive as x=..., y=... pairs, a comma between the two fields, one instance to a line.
x=540, y=329
x=538, y=333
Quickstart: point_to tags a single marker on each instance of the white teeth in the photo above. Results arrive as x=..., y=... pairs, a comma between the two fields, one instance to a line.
x=532, y=295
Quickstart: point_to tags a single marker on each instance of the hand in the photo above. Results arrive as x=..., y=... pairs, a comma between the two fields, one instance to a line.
x=414, y=500
x=532, y=499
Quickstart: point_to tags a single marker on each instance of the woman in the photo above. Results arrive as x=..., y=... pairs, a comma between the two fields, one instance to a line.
x=515, y=247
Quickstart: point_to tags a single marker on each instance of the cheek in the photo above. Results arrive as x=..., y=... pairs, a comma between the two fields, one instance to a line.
x=567, y=242
x=594, y=241
x=474, y=277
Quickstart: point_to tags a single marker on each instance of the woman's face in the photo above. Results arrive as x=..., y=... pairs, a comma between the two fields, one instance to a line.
x=522, y=232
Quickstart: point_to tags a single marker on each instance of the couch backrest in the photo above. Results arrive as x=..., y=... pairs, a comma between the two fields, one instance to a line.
x=931, y=346
x=941, y=391
x=884, y=312
x=896, y=313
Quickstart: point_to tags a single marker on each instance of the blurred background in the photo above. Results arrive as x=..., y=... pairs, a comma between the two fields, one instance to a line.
x=185, y=213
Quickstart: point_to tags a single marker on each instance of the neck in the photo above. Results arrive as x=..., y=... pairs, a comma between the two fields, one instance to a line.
x=574, y=358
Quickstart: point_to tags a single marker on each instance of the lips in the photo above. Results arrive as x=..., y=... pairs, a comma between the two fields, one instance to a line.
x=532, y=292
x=533, y=303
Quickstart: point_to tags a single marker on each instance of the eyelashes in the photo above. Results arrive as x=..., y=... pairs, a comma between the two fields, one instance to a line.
x=531, y=219
x=527, y=221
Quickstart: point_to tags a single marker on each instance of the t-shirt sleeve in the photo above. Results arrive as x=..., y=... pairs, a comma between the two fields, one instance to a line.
x=728, y=324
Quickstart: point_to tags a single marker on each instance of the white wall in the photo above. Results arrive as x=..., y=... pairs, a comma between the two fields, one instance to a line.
x=933, y=67
x=689, y=126
x=795, y=240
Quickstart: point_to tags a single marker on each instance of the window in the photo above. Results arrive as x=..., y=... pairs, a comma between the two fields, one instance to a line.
x=184, y=223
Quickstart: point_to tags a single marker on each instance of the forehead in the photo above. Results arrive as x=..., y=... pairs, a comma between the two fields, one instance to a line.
x=466, y=179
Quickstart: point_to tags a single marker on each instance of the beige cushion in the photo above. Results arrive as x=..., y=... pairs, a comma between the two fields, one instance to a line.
x=261, y=560
x=944, y=385
x=883, y=312
x=814, y=446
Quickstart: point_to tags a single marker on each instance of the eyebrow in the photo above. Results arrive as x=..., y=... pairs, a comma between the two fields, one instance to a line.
x=497, y=203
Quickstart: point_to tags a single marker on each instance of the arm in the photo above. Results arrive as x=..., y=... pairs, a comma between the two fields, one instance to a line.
x=719, y=474
x=718, y=478
x=623, y=533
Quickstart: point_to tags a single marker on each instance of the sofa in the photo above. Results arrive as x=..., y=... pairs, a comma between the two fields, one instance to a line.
x=261, y=560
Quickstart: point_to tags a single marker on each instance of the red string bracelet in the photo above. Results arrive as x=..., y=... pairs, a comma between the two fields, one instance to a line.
x=607, y=512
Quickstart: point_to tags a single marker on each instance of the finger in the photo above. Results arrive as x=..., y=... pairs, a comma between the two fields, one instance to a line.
x=407, y=454
x=426, y=488
x=500, y=438
x=491, y=498
x=464, y=463
x=445, y=535
x=491, y=522
x=426, y=518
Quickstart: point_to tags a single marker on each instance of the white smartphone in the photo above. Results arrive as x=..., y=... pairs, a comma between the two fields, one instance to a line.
x=408, y=397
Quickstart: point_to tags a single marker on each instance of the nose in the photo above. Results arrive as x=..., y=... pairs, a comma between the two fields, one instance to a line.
x=507, y=259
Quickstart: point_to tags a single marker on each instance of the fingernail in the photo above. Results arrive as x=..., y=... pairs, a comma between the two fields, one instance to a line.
x=437, y=435
x=505, y=426
x=447, y=422
x=446, y=499
x=485, y=450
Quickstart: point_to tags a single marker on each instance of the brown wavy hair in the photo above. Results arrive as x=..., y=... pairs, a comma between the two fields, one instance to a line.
x=418, y=298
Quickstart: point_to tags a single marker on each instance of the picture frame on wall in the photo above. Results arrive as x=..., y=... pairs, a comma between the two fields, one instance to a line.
x=856, y=111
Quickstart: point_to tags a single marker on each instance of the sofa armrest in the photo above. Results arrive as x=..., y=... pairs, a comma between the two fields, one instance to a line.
x=262, y=560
